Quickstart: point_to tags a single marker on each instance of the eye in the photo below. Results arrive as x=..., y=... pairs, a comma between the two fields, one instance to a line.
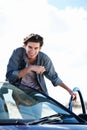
x=36, y=48
x=30, y=47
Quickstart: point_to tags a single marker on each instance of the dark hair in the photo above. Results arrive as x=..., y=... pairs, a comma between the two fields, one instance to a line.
x=33, y=38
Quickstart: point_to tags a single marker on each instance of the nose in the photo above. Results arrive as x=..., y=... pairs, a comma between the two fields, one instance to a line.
x=32, y=50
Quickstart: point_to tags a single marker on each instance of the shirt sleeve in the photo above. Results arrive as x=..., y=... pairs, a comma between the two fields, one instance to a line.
x=13, y=66
x=50, y=72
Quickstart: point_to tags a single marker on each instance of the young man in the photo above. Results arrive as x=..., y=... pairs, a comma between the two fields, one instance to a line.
x=28, y=65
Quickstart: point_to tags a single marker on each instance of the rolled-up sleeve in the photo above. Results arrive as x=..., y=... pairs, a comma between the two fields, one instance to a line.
x=56, y=80
x=15, y=73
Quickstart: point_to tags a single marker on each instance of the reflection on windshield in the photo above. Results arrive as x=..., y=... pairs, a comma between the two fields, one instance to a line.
x=27, y=104
x=3, y=108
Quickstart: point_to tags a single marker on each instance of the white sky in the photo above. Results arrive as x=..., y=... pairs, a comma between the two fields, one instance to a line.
x=64, y=33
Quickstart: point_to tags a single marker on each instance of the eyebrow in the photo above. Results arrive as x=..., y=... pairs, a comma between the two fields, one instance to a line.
x=32, y=47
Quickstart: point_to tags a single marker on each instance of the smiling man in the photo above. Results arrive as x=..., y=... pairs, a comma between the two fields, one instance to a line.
x=28, y=65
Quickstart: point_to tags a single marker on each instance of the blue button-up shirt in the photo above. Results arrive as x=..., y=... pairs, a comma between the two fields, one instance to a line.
x=17, y=62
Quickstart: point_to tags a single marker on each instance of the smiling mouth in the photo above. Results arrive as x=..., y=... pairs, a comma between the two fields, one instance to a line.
x=31, y=55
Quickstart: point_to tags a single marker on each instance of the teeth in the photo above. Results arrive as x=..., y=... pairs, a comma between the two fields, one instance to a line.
x=30, y=54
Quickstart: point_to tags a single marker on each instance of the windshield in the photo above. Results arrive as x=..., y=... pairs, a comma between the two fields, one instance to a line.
x=29, y=104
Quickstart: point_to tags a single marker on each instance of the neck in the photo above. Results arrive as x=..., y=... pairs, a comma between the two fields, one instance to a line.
x=32, y=61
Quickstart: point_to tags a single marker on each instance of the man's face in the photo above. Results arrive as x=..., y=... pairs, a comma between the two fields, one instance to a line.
x=32, y=49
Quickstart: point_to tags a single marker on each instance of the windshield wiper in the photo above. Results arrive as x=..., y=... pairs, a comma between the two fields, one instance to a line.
x=11, y=122
x=20, y=122
x=48, y=119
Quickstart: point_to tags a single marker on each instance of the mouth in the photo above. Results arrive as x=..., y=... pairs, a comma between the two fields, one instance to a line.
x=31, y=55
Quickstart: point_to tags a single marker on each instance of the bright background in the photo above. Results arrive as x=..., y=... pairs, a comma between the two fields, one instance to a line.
x=62, y=23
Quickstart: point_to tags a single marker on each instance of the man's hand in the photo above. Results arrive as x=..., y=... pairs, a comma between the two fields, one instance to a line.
x=38, y=69
x=73, y=95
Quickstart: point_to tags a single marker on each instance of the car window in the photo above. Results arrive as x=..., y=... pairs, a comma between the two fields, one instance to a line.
x=29, y=104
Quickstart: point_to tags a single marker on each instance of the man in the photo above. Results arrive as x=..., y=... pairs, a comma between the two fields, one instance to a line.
x=28, y=65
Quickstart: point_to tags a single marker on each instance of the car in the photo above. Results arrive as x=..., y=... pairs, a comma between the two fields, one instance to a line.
x=23, y=107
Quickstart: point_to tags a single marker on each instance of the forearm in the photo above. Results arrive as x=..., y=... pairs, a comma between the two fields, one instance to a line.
x=37, y=69
x=65, y=87
x=73, y=94
x=23, y=72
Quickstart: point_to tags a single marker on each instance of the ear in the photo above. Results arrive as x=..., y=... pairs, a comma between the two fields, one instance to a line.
x=24, y=45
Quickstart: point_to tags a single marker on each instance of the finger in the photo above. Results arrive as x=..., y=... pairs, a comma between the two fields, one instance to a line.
x=74, y=97
x=43, y=68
